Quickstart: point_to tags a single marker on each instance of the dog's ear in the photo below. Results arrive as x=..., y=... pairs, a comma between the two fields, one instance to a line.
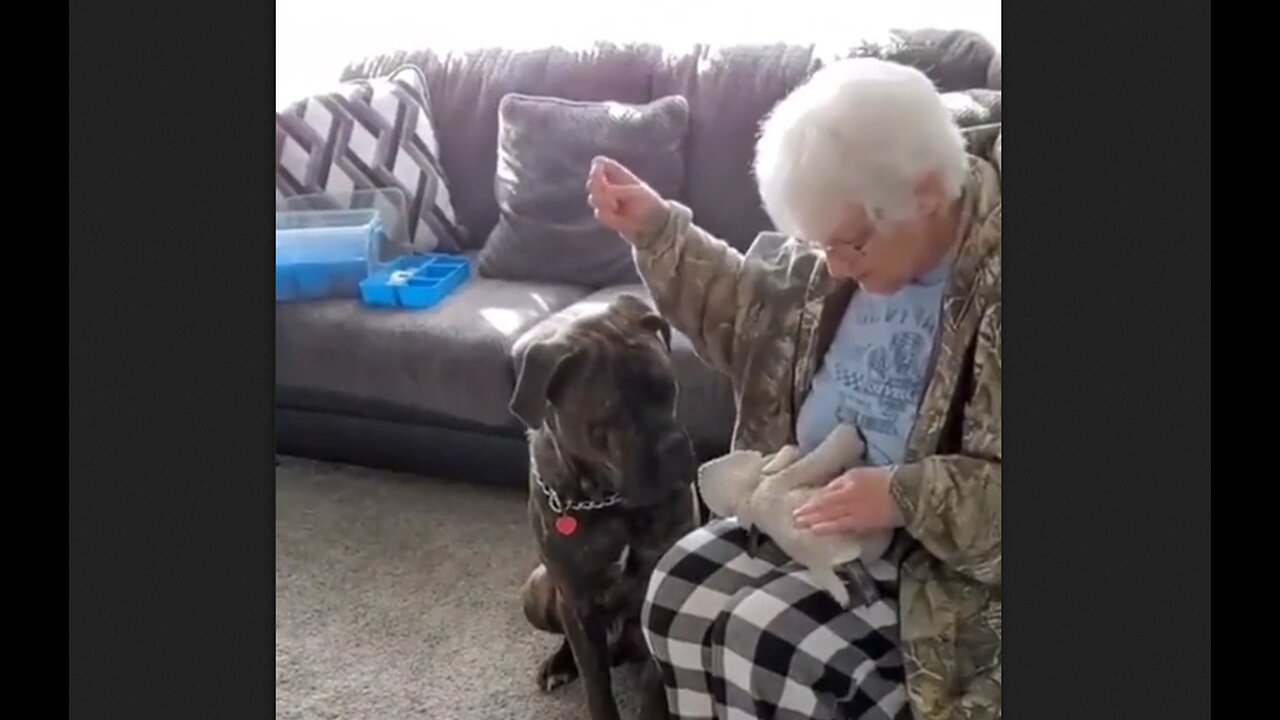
x=649, y=320
x=541, y=366
x=658, y=325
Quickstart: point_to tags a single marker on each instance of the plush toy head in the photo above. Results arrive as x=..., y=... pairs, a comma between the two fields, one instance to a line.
x=727, y=482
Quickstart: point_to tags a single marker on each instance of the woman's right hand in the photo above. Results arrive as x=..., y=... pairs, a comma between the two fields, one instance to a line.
x=622, y=201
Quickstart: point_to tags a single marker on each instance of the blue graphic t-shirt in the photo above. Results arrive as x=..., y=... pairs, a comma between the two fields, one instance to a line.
x=876, y=369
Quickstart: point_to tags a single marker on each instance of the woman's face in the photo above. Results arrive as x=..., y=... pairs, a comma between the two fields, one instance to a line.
x=883, y=257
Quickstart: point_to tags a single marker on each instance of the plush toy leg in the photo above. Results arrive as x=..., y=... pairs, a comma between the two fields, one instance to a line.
x=841, y=448
x=874, y=545
x=827, y=579
x=753, y=541
x=781, y=459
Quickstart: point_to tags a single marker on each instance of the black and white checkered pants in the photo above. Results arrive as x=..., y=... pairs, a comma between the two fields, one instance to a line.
x=739, y=637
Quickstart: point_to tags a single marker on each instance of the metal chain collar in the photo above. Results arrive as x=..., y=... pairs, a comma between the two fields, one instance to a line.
x=558, y=506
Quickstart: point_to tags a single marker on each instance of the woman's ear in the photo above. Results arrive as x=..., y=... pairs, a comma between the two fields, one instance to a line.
x=930, y=195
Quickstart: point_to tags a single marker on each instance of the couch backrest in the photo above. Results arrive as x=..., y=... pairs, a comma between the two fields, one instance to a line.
x=730, y=89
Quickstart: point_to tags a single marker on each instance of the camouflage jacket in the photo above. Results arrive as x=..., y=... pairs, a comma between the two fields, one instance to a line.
x=765, y=318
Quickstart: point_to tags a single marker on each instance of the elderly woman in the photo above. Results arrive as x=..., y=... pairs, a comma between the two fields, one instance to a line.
x=878, y=305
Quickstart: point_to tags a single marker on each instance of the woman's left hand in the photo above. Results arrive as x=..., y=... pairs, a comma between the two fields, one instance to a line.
x=858, y=501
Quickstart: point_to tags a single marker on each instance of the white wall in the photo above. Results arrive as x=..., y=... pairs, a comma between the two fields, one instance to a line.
x=316, y=38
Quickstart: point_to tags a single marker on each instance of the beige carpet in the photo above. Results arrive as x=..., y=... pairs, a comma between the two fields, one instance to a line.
x=397, y=597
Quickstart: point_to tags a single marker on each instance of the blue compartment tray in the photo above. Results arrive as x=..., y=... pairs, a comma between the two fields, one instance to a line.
x=415, y=281
x=321, y=254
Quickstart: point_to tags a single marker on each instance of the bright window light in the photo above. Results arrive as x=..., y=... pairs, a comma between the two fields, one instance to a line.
x=315, y=39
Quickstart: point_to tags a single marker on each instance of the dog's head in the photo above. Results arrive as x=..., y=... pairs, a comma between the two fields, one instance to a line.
x=603, y=386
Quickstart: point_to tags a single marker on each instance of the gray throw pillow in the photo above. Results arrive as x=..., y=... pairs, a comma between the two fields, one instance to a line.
x=546, y=231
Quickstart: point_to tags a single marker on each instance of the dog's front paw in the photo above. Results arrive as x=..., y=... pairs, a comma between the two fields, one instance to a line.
x=557, y=670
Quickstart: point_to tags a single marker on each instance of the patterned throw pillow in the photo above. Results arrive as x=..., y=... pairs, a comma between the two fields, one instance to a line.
x=370, y=134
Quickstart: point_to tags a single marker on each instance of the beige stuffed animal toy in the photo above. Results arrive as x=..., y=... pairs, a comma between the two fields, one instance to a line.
x=764, y=492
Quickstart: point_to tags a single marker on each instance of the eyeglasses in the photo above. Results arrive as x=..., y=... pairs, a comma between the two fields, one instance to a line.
x=856, y=244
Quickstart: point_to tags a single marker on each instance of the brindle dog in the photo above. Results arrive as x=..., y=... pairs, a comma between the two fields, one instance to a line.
x=610, y=490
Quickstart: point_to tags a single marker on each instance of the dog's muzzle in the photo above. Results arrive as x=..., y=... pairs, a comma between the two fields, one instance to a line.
x=675, y=452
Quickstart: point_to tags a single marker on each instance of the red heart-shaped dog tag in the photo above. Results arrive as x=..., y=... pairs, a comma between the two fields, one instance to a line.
x=566, y=524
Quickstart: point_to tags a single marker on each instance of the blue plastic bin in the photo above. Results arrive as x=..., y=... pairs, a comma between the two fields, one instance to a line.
x=415, y=281
x=326, y=254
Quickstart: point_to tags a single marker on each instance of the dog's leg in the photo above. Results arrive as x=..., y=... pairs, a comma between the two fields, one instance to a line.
x=653, y=696
x=588, y=637
x=558, y=669
x=542, y=609
x=540, y=600
x=629, y=647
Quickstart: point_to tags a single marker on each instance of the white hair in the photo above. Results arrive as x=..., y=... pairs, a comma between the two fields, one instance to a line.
x=858, y=131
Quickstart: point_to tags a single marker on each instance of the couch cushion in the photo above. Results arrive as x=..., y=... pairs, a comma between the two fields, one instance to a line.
x=706, y=397
x=729, y=89
x=545, y=148
x=953, y=59
x=452, y=360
